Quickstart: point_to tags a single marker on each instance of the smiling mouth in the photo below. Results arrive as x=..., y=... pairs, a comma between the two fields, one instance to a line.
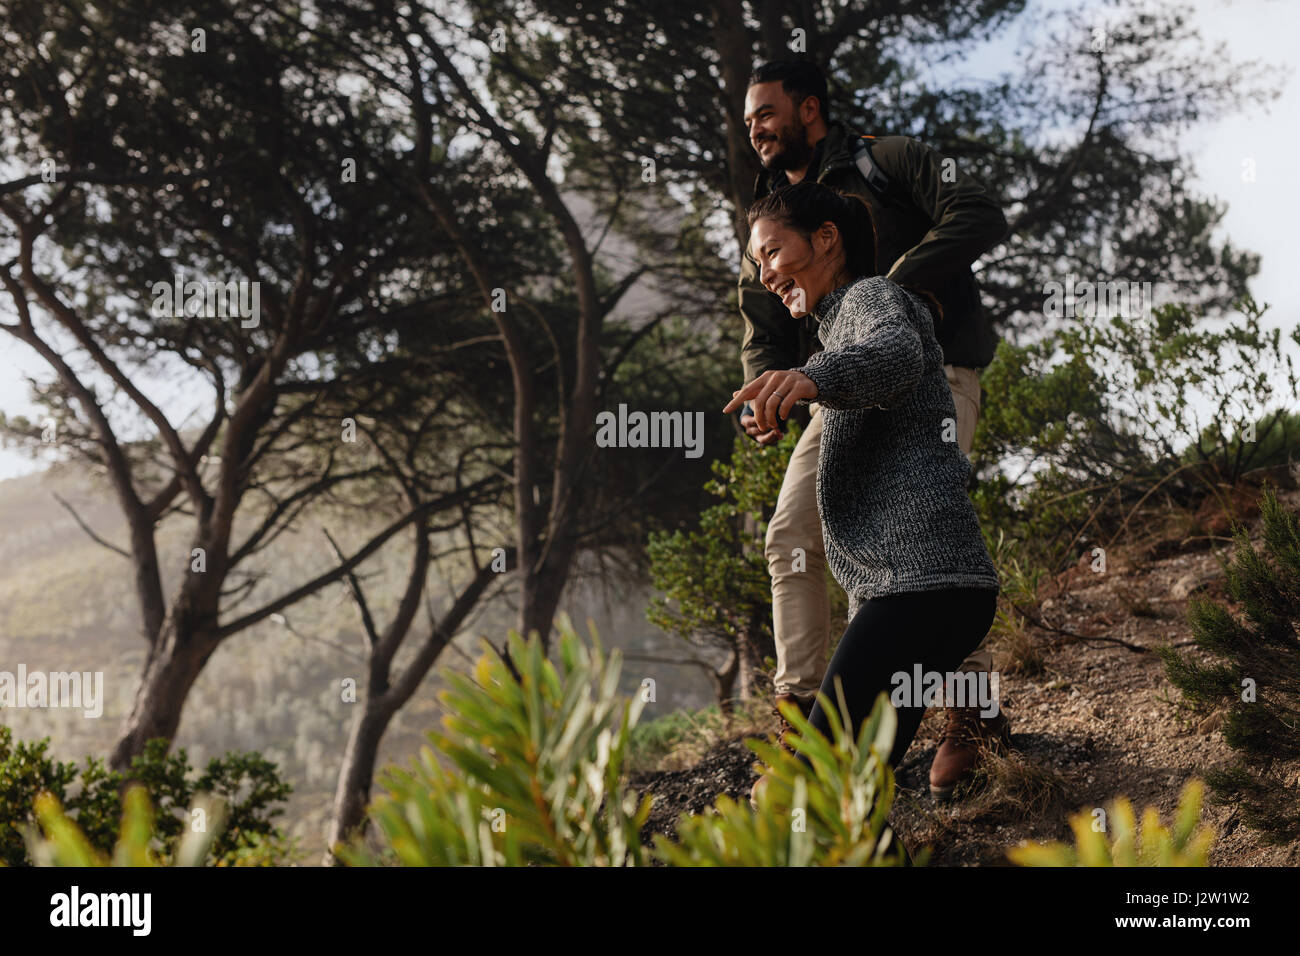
x=785, y=289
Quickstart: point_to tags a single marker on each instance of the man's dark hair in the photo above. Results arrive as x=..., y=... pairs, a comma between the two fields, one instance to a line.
x=799, y=78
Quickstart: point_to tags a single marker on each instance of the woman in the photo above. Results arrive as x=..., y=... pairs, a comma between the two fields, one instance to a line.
x=901, y=535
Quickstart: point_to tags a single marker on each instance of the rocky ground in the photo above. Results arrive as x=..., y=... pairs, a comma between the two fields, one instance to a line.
x=1097, y=721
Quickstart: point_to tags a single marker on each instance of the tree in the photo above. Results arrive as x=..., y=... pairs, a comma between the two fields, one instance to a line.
x=491, y=113
x=124, y=186
x=373, y=325
x=1082, y=141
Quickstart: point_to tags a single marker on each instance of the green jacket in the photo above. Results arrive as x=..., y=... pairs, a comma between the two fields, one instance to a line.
x=928, y=232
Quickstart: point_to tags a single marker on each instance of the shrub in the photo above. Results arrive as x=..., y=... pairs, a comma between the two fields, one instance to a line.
x=534, y=769
x=1254, y=673
x=1151, y=844
x=1082, y=427
x=248, y=784
x=714, y=582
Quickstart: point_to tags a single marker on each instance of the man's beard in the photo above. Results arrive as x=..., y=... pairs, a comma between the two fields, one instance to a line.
x=792, y=149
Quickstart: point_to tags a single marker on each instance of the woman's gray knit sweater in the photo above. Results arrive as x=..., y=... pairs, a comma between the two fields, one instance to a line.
x=891, y=481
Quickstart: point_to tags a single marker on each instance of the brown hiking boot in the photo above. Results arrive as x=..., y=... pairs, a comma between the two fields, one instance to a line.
x=965, y=735
x=805, y=704
x=784, y=726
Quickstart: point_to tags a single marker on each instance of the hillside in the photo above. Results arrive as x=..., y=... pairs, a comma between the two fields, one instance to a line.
x=1098, y=721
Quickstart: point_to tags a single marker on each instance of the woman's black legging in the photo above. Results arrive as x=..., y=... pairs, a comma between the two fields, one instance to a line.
x=892, y=634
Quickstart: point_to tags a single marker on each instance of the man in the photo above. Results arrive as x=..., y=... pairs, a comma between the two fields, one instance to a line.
x=932, y=221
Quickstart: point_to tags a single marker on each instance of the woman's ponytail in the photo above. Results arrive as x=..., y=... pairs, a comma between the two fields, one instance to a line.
x=859, y=233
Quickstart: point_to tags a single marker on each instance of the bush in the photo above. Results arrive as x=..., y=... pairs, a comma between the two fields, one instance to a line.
x=1151, y=844
x=714, y=582
x=1254, y=673
x=535, y=765
x=1081, y=428
x=248, y=785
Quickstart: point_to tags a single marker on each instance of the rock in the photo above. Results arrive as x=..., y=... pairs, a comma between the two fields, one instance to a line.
x=1190, y=583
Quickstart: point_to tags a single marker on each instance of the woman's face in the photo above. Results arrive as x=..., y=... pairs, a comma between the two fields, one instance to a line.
x=798, y=268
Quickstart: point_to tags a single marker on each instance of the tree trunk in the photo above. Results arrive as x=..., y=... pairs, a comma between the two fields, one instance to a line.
x=749, y=668
x=724, y=683
x=385, y=697
x=735, y=60
x=356, y=776
x=540, y=600
x=172, y=667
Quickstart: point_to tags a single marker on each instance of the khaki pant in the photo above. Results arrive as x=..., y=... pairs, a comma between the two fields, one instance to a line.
x=800, y=604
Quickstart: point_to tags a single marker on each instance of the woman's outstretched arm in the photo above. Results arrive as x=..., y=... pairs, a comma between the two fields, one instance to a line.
x=876, y=357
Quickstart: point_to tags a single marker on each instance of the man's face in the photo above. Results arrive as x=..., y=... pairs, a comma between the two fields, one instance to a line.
x=776, y=131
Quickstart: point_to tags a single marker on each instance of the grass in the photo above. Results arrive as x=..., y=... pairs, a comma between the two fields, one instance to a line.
x=1007, y=781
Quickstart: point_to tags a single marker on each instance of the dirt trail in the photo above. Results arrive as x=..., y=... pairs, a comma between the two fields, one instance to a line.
x=1100, y=721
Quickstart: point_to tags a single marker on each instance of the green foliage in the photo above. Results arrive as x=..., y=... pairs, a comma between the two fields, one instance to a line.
x=1093, y=419
x=248, y=786
x=713, y=579
x=61, y=842
x=534, y=767
x=830, y=812
x=1151, y=844
x=1253, y=673
x=1268, y=441
x=529, y=771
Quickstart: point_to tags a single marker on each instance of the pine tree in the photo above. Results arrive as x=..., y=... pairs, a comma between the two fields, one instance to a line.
x=1254, y=672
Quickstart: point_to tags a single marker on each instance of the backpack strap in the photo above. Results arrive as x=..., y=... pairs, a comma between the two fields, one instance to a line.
x=862, y=158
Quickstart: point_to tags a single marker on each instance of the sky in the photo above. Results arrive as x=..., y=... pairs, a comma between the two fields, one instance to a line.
x=1260, y=217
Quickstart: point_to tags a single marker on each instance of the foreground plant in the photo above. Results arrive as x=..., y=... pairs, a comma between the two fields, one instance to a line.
x=534, y=768
x=831, y=811
x=1151, y=844
x=60, y=842
x=529, y=770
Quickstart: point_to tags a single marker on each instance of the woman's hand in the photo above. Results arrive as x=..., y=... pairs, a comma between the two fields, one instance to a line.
x=772, y=396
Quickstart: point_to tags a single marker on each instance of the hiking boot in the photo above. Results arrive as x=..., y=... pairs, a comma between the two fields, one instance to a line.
x=965, y=735
x=784, y=726
x=805, y=704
